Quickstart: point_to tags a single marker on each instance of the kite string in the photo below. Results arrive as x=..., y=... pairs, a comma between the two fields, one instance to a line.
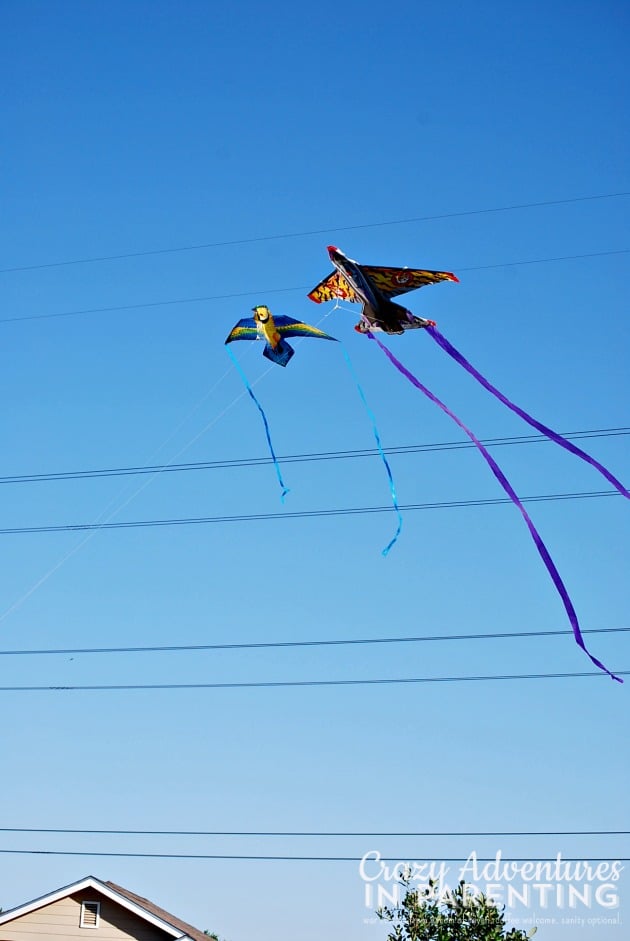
x=246, y=383
x=459, y=358
x=118, y=503
x=105, y=515
x=500, y=476
x=377, y=438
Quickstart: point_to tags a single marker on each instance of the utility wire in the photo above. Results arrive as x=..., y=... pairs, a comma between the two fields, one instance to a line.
x=300, y=458
x=302, y=234
x=301, y=514
x=176, y=301
x=283, y=684
x=316, y=833
x=267, y=291
x=303, y=859
x=176, y=648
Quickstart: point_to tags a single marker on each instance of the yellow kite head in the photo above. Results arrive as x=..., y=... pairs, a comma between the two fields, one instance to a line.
x=261, y=313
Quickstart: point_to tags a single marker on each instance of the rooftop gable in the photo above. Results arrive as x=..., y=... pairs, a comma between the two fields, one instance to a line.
x=143, y=908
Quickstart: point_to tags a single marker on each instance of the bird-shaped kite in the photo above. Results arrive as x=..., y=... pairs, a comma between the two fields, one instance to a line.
x=263, y=326
x=374, y=287
x=273, y=330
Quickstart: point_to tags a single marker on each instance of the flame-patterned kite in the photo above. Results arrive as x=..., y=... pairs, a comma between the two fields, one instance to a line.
x=373, y=287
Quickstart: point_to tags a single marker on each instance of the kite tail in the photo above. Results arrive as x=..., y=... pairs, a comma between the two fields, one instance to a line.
x=377, y=438
x=548, y=432
x=500, y=476
x=285, y=489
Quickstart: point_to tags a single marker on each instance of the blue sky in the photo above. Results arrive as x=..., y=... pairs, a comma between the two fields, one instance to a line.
x=140, y=127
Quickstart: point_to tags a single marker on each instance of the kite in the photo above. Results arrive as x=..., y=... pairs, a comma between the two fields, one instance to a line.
x=263, y=326
x=273, y=330
x=373, y=287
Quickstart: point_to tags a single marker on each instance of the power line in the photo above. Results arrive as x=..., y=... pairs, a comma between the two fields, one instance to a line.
x=181, y=300
x=552, y=258
x=267, y=291
x=301, y=514
x=302, y=234
x=309, y=859
x=258, y=645
x=283, y=684
x=299, y=458
x=317, y=833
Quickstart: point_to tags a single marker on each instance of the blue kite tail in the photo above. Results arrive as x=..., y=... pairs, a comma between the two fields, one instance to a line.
x=285, y=489
x=380, y=449
x=500, y=476
x=548, y=432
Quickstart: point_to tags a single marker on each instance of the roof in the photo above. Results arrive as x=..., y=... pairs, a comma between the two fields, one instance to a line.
x=143, y=908
x=191, y=932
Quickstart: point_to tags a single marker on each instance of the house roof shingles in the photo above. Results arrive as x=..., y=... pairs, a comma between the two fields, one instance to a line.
x=193, y=933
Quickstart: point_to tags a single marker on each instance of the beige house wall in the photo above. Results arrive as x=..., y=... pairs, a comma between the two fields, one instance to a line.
x=60, y=921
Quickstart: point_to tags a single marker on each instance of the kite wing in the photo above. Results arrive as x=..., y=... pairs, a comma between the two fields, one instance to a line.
x=335, y=285
x=287, y=327
x=244, y=330
x=393, y=281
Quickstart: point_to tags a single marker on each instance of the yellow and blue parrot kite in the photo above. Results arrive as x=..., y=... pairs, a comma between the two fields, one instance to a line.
x=273, y=330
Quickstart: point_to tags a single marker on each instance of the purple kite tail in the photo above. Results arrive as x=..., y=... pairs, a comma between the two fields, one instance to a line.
x=441, y=340
x=500, y=476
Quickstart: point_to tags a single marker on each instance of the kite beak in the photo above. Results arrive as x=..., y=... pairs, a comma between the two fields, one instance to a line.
x=333, y=250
